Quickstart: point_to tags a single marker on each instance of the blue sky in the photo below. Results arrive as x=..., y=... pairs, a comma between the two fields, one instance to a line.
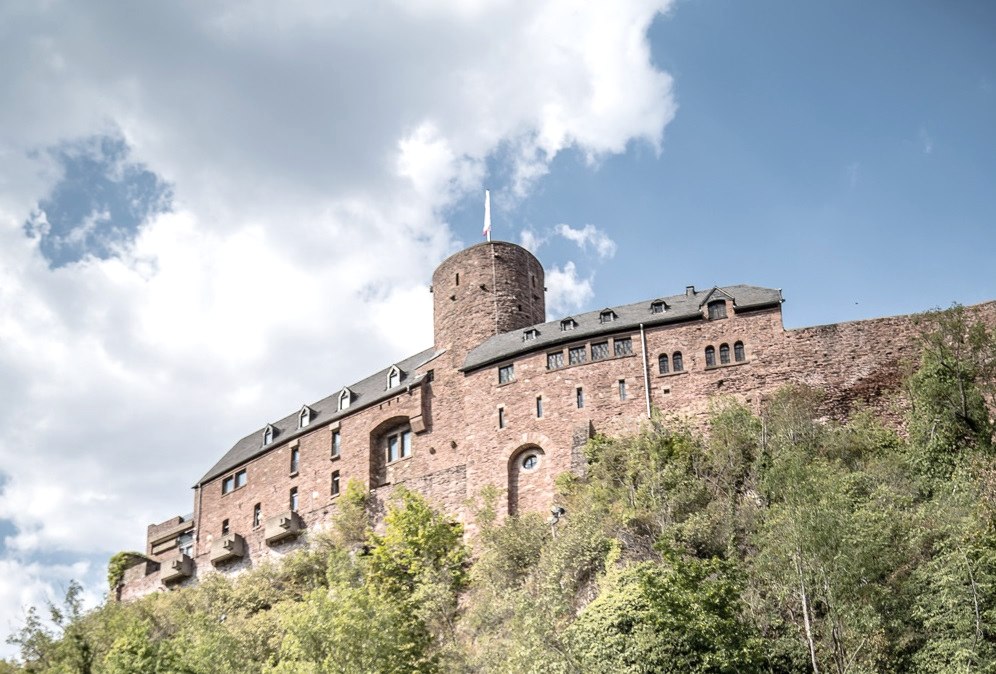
x=211, y=214
x=845, y=152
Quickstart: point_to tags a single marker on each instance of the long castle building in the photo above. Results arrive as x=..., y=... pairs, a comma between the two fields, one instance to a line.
x=505, y=398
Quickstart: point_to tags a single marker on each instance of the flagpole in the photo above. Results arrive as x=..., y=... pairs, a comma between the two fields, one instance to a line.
x=487, y=214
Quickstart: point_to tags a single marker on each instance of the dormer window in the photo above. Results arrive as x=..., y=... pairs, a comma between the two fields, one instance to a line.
x=530, y=334
x=393, y=377
x=658, y=307
x=717, y=309
x=345, y=397
x=607, y=316
x=304, y=418
x=568, y=324
x=268, y=434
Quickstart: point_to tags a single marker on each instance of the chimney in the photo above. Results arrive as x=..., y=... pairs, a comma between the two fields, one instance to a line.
x=689, y=291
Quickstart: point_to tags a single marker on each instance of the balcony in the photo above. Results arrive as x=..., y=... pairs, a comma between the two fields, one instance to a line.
x=232, y=546
x=285, y=525
x=177, y=568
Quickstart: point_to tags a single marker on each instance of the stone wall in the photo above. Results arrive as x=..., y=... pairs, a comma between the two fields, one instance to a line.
x=458, y=445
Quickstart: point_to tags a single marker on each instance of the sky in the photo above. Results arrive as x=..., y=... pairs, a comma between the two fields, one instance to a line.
x=213, y=213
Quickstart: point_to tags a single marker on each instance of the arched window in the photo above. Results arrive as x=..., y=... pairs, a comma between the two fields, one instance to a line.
x=724, y=354
x=662, y=364
x=305, y=417
x=710, y=356
x=676, y=361
x=738, y=352
x=267, y=435
x=393, y=377
x=717, y=309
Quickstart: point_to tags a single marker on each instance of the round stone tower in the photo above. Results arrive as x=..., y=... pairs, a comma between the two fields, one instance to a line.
x=485, y=290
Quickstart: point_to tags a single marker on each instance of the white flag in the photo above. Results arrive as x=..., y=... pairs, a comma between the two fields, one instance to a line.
x=487, y=214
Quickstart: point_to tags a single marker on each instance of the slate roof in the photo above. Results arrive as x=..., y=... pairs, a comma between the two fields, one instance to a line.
x=366, y=392
x=628, y=317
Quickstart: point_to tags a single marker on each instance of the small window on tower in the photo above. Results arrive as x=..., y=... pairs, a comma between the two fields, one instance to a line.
x=539, y=407
x=257, y=515
x=622, y=389
x=293, y=499
x=224, y=528
x=579, y=394
x=336, y=444
x=295, y=460
x=335, y=483
x=501, y=417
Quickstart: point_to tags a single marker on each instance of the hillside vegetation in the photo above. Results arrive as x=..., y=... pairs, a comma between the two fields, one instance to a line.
x=779, y=543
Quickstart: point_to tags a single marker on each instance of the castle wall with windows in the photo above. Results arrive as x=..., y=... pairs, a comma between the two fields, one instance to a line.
x=505, y=399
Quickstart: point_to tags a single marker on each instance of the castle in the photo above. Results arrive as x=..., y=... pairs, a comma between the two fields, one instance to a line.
x=505, y=398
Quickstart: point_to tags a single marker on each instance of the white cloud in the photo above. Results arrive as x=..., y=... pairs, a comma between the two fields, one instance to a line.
x=312, y=148
x=566, y=292
x=926, y=142
x=589, y=235
x=531, y=241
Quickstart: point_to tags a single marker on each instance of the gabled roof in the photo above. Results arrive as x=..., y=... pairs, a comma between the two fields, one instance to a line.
x=364, y=393
x=715, y=294
x=682, y=307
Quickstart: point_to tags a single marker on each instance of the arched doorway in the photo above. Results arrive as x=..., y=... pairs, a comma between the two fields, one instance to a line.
x=529, y=486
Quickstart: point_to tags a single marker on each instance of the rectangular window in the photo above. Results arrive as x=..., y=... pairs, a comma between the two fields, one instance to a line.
x=554, y=360
x=622, y=389
x=577, y=355
x=506, y=373
x=623, y=346
x=600, y=351
x=257, y=515
x=224, y=528
x=336, y=444
x=501, y=417
x=295, y=460
x=293, y=499
x=335, y=483
x=406, y=444
x=228, y=484
x=240, y=479
x=539, y=407
x=580, y=398
x=392, y=448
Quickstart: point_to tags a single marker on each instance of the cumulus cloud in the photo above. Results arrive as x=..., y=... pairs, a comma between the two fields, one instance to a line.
x=299, y=157
x=565, y=290
x=531, y=241
x=589, y=236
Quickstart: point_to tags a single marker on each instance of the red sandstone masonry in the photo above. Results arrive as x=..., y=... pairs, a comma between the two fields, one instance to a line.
x=459, y=449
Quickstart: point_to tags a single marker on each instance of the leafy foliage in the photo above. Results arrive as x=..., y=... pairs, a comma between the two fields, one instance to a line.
x=773, y=543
